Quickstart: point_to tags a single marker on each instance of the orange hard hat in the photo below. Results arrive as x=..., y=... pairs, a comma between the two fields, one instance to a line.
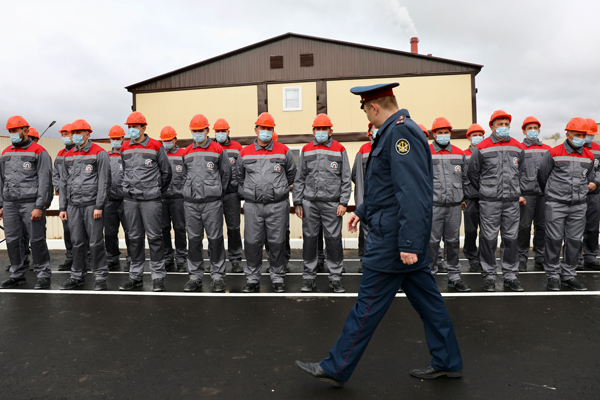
x=116, y=132
x=322, y=120
x=530, y=120
x=500, y=114
x=275, y=136
x=593, y=126
x=265, y=119
x=81, y=125
x=198, y=122
x=167, y=133
x=136, y=118
x=16, y=121
x=425, y=131
x=65, y=128
x=474, y=128
x=440, y=123
x=578, y=124
x=221, y=124
x=33, y=133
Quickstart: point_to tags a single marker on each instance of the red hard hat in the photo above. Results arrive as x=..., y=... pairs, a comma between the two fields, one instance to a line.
x=440, y=123
x=275, y=136
x=425, y=131
x=474, y=128
x=167, y=133
x=65, y=128
x=199, y=122
x=33, y=133
x=530, y=120
x=16, y=121
x=500, y=114
x=136, y=118
x=593, y=126
x=116, y=132
x=81, y=125
x=221, y=124
x=322, y=120
x=578, y=124
x=265, y=119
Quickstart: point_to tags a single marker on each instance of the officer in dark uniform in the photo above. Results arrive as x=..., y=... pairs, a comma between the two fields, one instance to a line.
x=397, y=206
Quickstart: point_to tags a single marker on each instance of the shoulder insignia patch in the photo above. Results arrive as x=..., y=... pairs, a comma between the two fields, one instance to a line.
x=402, y=147
x=401, y=120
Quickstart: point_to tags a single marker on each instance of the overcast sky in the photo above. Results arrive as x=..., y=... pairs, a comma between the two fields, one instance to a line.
x=64, y=60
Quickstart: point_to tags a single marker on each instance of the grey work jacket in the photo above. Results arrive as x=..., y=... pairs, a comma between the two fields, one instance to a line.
x=534, y=152
x=207, y=172
x=448, y=169
x=116, y=176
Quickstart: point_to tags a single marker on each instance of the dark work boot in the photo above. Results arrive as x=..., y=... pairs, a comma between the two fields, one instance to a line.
x=66, y=266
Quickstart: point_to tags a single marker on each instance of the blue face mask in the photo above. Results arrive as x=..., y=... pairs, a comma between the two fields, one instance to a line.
x=67, y=141
x=78, y=140
x=532, y=134
x=133, y=133
x=443, y=139
x=321, y=136
x=502, y=133
x=221, y=137
x=577, y=142
x=475, y=140
x=168, y=145
x=199, y=136
x=16, y=138
x=374, y=133
x=589, y=139
x=265, y=136
x=116, y=144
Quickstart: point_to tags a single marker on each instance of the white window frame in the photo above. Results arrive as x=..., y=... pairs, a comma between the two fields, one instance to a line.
x=299, y=89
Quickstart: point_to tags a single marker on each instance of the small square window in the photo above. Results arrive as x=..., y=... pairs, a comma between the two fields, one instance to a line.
x=292, y=98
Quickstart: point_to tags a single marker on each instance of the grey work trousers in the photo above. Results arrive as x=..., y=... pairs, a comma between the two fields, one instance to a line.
x=172, y=212
x=471, y=216
x=322, y=214
x=114, y=214
x=564, y=223
x=83, y=226
x=17, y=215
x=270, y=221
x=207, y=217
x=445, y=225
x=533, y=211
x=592, y=224
x=144, y=218
x=232, y=209
x=498, y=217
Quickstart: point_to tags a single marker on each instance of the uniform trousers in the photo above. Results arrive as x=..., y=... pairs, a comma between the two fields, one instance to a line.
x=592, y=223
x=498, y=217
x=564, y=224
x=114, y=214
x=207, y=217
x=270, y=221
x=533, y=211
x=232, y=210
x=84, y=227
x=375, y=295
x=363, y=231
x=322, y=214
x=471, y=216
x=17, y=215
x=172, y=212
x=445, y=224
x=144, y=218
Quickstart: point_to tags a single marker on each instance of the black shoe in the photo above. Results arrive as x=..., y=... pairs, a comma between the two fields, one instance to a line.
x=553, y=284
x=538, y=266
x=475, y=267
x=442, y=267
x=236, y=268
x=489, y=285
x=127, y=266
x=100, y=285
x=66, y=266
x=337, y=286
x=574, y=284
x=595, y=265
x=218, y=285
x=314, y=371
x=170, y=266
x=320, y=267
x=181, y=267
x=42, y=283
x=192, y=285
x=459, y=285
x=430, y=373
x=279, y=287
x=308, y=285
x=250, y=287
x=12, y=282
x=72, y=283
x=522, y=266
x=514, y=285
x=114, y=266
x=158, y=285
x=132, y=284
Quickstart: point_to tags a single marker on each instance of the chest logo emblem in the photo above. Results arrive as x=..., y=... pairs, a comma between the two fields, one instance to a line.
x=232, y=160
x=88, y=168
x=27, y=165
x=148, y=163
x=402, y=147
x=515, y=160
x=178, y=168
x=596, y=163
x=585, y=171
x=277, y=167
x=210, y=165
x=334, y=165
x=457, y=169
x=121, y=167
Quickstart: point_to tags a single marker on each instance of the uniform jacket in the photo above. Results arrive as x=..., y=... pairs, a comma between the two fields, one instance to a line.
x=534, y=152
x=323, y=173
x=265, y=174
x=58, y=165
x=175, y=190
x=234, y=150
x=85, y=179
x=147, y=172
x=468, y=190
x=495, y=168
x=448, y=170
x=358, y=172
x=565, y=172
x=594, y=148
x=207, y=172
x=116, y=176
x=26, y=175
x=398, y=196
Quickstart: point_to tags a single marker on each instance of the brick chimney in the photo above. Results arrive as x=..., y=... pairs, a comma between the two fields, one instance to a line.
x=414, y=45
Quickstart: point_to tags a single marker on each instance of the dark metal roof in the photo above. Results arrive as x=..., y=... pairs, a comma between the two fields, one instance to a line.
x=333, y=59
